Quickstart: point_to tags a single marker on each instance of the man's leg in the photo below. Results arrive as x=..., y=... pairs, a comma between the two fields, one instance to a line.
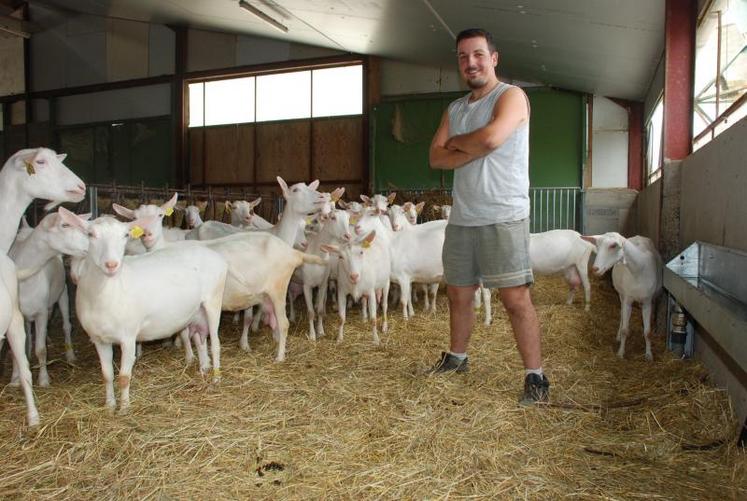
x=461, y=316
x=525, y=324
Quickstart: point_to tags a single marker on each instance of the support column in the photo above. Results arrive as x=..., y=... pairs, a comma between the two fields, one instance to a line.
x=679, y=66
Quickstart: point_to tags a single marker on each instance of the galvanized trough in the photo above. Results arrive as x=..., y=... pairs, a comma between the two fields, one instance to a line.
x=710, y=283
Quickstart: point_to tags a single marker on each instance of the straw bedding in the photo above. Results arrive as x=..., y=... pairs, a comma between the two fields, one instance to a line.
x=355, y=421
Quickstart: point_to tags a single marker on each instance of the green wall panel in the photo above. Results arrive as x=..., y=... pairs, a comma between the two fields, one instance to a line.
x=402, y=129
x=129, y=153
x=556, y=132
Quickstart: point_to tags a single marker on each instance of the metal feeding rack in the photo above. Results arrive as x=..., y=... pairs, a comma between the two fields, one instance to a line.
x=709, y=283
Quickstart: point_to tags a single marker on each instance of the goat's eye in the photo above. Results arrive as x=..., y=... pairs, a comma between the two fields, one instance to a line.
x=41, y=162
x=613, y=246
x=91, y=234
x=65, y=225
x=160, y=215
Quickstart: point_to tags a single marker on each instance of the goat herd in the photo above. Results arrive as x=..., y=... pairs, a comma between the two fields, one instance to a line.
x=139, y=281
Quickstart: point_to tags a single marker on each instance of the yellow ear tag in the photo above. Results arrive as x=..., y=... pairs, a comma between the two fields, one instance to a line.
x=354, y=219
x=335, y=198
x=366, y=244
x=309, y=219
x=169, y=211
x=30, y=168
x=136, y=232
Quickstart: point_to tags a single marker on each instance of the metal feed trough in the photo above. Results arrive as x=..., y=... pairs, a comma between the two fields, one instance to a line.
x=710, y=283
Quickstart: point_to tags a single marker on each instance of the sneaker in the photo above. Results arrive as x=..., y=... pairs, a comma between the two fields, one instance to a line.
x=449, y=363
x=536, y=389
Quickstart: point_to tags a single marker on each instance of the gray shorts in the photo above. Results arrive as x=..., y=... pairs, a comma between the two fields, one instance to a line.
x=496, y=255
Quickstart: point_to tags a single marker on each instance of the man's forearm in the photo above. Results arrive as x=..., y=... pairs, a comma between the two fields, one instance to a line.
x=446, y=159
x=475, y=143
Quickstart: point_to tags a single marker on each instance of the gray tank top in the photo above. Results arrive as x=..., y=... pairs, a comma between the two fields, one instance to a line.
x=494, y=188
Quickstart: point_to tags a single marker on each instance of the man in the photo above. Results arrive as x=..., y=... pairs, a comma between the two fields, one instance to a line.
x=484, y=138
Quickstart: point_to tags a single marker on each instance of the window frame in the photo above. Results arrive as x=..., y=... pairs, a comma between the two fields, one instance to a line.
x=205, y=77
x=712, y=129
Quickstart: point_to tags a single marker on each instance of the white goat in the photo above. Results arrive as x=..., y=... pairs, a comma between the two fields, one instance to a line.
x=334, y=231
x=27, y=174
x=562, y=251
x=39, y=293
x=636, y=275
x=122, y=300
x=157, y=211
x=243, y=215
x=192, y=213
x=363, y=270
x=416, y=255
x=260, y=267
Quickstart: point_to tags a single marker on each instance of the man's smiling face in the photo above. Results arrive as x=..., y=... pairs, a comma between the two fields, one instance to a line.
x=476, y=62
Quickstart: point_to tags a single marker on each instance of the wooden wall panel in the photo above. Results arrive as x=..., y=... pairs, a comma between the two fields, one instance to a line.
x=195, y=155
x=245, y=166
x=222, y=155
x=338, y=149
x=283, y=150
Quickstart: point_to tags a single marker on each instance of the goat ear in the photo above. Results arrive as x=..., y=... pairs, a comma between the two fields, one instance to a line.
x=283, y=186
x=391, y=197
x=86, y=216
x=255, y=203
x=124, y=211
x=368, y=239
x=61, y=157
x=171, y=203
x=365, y=199
x=314, y=184
x=168, y=207
x=590, y=238
x=228, y=206
x=343, y=204
x=337, y=193
x=72, y=219
x=419, y=207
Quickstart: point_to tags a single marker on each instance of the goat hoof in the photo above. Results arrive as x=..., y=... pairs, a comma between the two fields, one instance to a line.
x=33, y=420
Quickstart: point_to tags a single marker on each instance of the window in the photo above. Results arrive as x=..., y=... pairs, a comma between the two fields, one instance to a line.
x=278, y=96
x=654, y=138
x=338, y=91
x=284, y=96
x=720, y=69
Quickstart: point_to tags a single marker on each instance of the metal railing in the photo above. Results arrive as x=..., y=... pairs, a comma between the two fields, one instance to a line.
x=555, y=209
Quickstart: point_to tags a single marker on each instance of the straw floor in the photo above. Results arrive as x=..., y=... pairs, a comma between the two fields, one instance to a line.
x=354, y=421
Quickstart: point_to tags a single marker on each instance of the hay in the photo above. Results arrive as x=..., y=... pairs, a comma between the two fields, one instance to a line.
x=356, y=421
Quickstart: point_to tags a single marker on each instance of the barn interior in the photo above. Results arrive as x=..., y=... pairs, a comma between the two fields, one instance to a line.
x=636, y=127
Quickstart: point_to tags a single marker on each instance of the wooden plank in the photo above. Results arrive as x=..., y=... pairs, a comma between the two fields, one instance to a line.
x=245, y=148
x=283, y=150
x=221, y=148
x=338, y=148
x=195, y=155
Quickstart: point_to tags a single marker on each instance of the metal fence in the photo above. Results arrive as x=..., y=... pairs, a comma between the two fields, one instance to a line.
x=551, y=208
x=555, y=209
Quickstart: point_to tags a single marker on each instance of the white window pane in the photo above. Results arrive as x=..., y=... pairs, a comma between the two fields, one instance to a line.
x=195, y=105
x=229, y=101
x=284, y=96
x=338, y=91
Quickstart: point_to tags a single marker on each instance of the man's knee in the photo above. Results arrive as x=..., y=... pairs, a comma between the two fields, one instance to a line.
x=516, y=300
x=459, y=295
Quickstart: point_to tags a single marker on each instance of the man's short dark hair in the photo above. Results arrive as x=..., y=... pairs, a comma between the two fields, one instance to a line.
x=475, y=33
